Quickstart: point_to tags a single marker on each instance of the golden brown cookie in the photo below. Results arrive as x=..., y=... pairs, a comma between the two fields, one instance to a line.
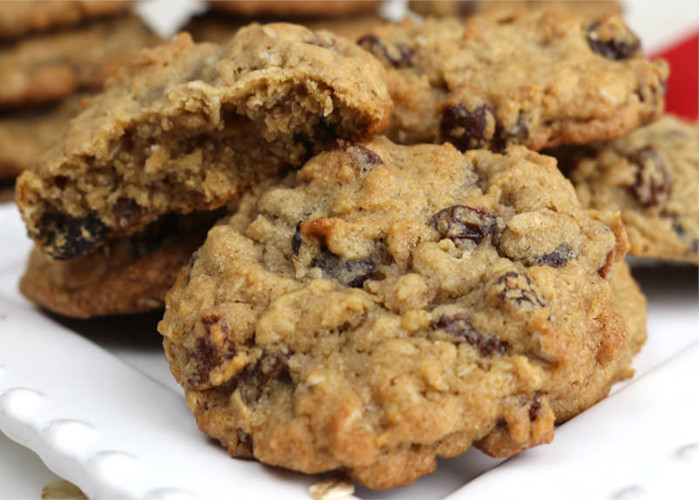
x=188, y=127
x=50, y=66
x=125, y=276
x=651, y=176
x=18, y=18
x=536, y=78
x=386, y=305
x=25, y=135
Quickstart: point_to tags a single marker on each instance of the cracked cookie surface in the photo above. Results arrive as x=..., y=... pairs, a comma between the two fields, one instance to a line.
x=387, y=304
x=513, y=76
x=187, y=127
x=651, y=176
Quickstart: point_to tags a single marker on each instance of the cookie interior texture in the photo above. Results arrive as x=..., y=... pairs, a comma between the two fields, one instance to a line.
x=187, y=127
x=538, y=78
x=127, y=275
x=651, y=176
x=386, y=305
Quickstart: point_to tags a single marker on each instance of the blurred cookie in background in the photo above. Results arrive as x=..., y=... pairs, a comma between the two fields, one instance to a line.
x=296, y=9
x=18, y=18
x=28, y=133
x=50, y=66
x=466, y=8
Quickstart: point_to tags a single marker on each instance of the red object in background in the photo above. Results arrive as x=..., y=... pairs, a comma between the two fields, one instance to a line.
x=682, y=90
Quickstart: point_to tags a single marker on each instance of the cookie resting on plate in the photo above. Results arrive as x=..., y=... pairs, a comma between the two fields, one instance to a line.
x=386, y=305
x=651, y=177
x=187, y=127
x=127, y=275
x=536, y=78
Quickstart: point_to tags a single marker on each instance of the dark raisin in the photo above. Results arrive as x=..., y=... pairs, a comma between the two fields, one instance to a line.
x=653, y=183
x=461, y=223
x=255, y=378
x=517, y=288
x=535, y=407
x=205, y=358
x=352, y=273
x=64, y=237
x=463, y=128
x=460, y=328
x=558, y=258
x=127, y=212
x=397, y=55
x=622, y=45
x=61, y=181
x=363, y=158
x=517, y=134
x=296, y=240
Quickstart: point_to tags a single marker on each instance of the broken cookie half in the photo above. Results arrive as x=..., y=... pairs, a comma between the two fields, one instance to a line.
x=187, y=127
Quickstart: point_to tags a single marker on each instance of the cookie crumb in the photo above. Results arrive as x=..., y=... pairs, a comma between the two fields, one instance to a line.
x=62, y=490
x=332, y=489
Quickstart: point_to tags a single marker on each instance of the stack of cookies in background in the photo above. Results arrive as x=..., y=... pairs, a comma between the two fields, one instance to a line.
x=53, y=55
x=381, y=243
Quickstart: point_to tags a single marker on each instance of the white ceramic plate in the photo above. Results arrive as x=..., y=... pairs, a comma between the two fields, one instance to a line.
x=96, y=402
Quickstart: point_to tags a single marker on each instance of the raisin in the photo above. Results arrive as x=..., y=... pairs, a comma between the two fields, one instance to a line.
x=459, y=327
x=365, y=159
x=352, y=273
x=296, y=240
x=65, y=237
x=623, y=44
x=518, y=134
x=558, y=258
x=464, y=129
x=461, y=223
x=255, y=378
x=397, y=55
x=535, y=407
x=205, y=357
x=517, y=288
x=653, y=183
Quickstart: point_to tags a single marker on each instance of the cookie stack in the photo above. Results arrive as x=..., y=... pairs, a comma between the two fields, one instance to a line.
x=397, y=273
x=53, y=55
